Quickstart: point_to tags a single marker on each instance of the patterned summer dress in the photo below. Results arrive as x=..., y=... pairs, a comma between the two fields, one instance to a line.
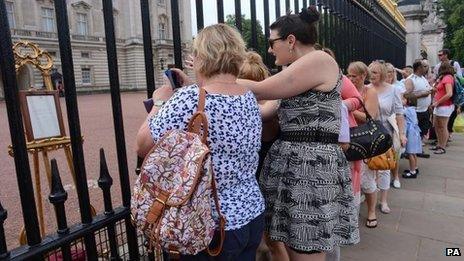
x=307, y=185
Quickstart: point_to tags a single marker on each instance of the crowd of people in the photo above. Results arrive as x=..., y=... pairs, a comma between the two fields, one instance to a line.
x=277, y=142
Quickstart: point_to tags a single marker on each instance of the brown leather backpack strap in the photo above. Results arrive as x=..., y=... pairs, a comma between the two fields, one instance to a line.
x=201, y=99
x=199, y=118
x=222, y=221
x=196, y=123
x=157, y=208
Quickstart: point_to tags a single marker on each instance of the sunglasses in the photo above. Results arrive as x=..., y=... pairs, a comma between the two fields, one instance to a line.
x=271, y=41
x=379, y=61
x=440, y=54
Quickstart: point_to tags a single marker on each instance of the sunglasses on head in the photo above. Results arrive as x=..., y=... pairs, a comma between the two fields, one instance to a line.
x=271, y=41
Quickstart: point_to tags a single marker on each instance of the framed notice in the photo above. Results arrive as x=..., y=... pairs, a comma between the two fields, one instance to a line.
x=42, y=114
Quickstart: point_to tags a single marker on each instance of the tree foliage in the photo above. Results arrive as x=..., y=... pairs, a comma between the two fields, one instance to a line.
x=246, y=33
x=453, y=16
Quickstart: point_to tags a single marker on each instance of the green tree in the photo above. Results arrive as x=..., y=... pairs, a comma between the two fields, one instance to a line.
x=453, y=16
x=246, y=33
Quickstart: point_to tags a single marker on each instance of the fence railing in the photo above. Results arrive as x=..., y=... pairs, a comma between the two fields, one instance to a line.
x=354, y=29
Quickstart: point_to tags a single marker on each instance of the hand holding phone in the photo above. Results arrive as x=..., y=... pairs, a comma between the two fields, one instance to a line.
x=173, y=79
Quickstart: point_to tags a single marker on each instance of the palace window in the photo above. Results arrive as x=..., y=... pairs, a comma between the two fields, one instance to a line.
x=10, y=14
x=85, y=55
x=48, y=19
x=86, y=76
x=162, y=31
x=162, y=27
x=82, y=24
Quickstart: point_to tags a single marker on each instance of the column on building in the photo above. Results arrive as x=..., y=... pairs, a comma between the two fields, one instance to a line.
x=414, y=14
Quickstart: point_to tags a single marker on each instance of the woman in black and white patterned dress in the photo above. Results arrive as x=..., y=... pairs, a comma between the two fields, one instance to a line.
x=306, y=179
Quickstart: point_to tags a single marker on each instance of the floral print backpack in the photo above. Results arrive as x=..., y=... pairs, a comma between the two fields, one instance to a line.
x=171, y=200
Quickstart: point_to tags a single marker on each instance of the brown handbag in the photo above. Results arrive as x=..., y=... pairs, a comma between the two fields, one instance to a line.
x=385, y=161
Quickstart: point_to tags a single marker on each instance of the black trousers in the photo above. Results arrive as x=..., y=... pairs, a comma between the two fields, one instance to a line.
x=451, y=119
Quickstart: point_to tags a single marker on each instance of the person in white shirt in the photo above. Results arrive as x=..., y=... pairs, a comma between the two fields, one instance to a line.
x=418, y=86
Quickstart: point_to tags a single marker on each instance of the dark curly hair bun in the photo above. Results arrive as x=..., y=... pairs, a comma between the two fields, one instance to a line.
x=310, y=14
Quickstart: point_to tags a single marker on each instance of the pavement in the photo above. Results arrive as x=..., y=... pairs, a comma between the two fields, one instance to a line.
x=427, y=214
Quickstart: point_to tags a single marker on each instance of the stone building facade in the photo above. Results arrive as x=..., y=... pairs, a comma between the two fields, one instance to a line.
x=425, y=29
x=34, y=20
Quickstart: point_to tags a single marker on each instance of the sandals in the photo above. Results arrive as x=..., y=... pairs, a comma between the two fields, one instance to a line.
x=384, y=208
x=371, y=223
x=439, y=151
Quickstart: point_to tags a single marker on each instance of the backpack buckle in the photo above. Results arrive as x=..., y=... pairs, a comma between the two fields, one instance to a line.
x=157, y=208
x=160, y=201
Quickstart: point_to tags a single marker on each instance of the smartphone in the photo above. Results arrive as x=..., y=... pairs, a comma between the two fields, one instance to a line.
x=172, y=76
x=148, y=104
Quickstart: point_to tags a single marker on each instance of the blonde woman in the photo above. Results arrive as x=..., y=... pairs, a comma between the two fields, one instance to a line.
x=254, y=69
x=389, y=103
x=234, y=135
x=358, y=73
x=400, y=86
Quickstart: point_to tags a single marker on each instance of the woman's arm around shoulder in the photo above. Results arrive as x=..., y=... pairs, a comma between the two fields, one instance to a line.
x=315, y=70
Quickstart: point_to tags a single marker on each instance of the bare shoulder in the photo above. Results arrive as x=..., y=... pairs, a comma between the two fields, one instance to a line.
x=370, y=93
x=321, y=65
x=321, y=60
x=371, y=90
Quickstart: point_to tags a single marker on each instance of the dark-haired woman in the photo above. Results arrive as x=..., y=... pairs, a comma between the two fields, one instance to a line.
x=443, y=105
x=306, y=178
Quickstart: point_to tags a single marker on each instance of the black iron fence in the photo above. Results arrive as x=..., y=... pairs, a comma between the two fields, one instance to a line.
x=355, y=30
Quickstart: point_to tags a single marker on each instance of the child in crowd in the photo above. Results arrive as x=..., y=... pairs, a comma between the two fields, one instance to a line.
x=414, y=143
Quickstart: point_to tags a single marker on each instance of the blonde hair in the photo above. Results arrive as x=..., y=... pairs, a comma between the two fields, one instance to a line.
x=218, y=49
x=382, y=67
x=390, y=66
x=253, y=68
x=359, y=68
x=407, y=71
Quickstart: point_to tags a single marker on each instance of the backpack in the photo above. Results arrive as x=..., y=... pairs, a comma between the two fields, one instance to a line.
x=171, y=200
x=458, y=88
x=458, y=91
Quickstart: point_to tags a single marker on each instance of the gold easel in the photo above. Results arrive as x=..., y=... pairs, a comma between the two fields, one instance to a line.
x=29, y=53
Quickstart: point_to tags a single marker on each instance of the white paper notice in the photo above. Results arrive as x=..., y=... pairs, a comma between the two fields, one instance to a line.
x=44, y=118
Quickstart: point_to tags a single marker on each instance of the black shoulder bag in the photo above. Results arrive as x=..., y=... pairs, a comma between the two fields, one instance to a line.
x=368, y=140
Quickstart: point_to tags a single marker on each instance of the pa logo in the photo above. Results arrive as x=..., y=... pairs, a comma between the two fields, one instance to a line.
x=452, y=251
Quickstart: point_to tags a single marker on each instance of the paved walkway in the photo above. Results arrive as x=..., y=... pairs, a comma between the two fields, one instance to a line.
x=427, y=214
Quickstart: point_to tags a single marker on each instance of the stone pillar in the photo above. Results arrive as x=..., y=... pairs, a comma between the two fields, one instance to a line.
x=432, y=31
x=433, y=41
x=414, y=14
